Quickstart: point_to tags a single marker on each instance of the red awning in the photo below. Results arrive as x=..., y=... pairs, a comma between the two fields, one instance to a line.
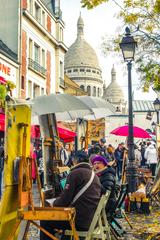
x=65, y=134
x=2, y=122
x=2, y=80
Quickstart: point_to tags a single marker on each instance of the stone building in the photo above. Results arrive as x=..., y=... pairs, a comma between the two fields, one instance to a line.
x=114, y=94
x=43, y=48
x=72, y=88
x=82, y=66
x=33, y=31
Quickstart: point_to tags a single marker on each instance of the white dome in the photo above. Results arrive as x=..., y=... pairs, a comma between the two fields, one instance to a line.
x=113, y=93
x=80, y=53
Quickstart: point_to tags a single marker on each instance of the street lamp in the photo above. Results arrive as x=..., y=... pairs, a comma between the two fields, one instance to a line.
x=153, y=125
x=156, y=104
x=128, y=46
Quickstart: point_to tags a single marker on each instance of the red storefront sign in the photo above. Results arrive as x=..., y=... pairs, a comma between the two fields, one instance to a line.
x=2, y=80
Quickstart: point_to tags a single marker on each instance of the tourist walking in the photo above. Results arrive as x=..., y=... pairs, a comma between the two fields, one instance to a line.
x=151, y=157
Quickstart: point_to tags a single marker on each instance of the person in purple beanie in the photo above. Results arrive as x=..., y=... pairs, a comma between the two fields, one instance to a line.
x=107, y=177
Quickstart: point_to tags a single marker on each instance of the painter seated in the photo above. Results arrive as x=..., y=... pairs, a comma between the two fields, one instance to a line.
x=107, y=176
x=85, y=204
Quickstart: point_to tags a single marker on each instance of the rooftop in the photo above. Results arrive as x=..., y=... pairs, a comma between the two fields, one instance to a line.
x=143, y=106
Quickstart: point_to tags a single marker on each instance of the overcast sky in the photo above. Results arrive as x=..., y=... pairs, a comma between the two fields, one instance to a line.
x=97, y=23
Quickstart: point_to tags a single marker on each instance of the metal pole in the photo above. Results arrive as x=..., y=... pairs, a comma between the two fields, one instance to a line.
x=158, y=117
x=131, y=170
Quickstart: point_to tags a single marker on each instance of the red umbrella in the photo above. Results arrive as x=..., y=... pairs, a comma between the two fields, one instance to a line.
x=137, y=132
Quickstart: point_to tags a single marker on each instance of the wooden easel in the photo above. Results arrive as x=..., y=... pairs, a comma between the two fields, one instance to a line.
x=17, y=145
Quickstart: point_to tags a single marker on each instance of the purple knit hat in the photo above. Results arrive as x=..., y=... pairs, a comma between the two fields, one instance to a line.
x=99, y=158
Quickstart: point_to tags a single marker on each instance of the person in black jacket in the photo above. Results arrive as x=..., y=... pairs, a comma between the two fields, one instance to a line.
x=107, y=176
x=85, y=205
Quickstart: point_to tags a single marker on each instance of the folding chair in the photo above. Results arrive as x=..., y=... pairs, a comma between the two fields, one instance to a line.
x=116, y=228
x=99, y=228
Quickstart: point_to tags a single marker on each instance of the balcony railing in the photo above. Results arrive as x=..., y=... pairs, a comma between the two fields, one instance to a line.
x=36, y=66
x=62, y=82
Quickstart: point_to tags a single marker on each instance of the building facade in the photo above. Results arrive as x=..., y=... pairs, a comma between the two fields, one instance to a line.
x=9, y=67
x=32, y=36
x=82, y=66
x=42, y=49
x=143, y=116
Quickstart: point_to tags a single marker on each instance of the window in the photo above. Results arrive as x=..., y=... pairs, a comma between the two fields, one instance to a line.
x=31, y=6
x=30, y=48
x=43, y=58
x=81, y=69
x=98, y=72
x=36, y=53
x=93, y=71
x=43, y=18
x=37, y=12
x=82, y=87
x=36, y=90
x=98, y=94
x=69, y=71
x=61, y=34
x=61, y=69
x=89, y=90
x=22, y=82
x=94, y=91
x=75, y=70
x=88, y=70
x=42, y=91
x=29, y=89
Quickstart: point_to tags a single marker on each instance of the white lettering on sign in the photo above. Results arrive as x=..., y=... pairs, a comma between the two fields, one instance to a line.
x=7, y=71
x=4, y=69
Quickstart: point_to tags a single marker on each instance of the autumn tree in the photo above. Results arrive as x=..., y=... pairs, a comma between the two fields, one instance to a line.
x=143, y=17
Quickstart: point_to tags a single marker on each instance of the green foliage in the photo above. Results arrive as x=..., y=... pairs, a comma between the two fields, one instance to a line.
x=143, y=17
x=90, y=4
x=10, y=85
x=3, y=92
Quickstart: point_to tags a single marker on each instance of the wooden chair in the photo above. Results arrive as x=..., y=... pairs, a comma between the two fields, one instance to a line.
x=153, y=193
x=99, y=228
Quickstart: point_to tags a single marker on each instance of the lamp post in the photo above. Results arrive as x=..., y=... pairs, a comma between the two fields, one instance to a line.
x=156, y=104
x=153, y=127
x=128, y=46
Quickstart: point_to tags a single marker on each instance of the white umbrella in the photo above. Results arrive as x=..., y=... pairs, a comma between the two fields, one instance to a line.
x=65, y=106
x=100, y=107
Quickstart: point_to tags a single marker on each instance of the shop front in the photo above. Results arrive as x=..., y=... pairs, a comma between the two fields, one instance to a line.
x=9, y=72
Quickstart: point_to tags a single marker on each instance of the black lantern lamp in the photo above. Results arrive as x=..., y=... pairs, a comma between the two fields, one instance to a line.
x=128, y=47
x=156, y=104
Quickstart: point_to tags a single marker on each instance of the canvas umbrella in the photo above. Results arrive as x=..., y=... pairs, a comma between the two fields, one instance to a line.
x=65, y=106
x=137, y=132
x=100, y=107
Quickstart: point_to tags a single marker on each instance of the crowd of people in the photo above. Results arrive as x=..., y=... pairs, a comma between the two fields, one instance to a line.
x=108, y=165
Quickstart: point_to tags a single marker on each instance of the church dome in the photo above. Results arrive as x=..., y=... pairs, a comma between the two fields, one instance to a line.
x=80, y=53
x=113, y=93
